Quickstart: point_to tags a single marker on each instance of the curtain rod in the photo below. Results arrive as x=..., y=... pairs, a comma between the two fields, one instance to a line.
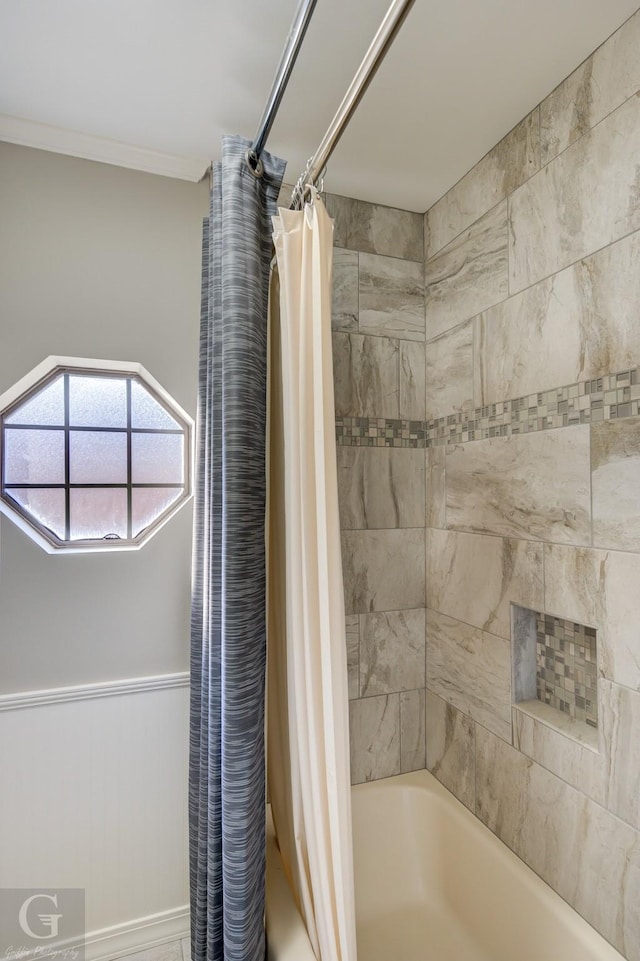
x=283, y=73
x=374, y=56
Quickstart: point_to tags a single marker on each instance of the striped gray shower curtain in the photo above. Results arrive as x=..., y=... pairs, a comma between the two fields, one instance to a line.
x=228, y=649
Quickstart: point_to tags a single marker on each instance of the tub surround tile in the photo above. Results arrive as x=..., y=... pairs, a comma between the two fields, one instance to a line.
x=577, y=325
x=599, y=588
x=534, y=487
x=585, y=199
x=620, y=708
x=375, y=229
x=375, y=737
x=476, y=578
x=392, y=652
x=564, y=837
x=615, y=479
x=412, y=381
x=436, y=515
x=383, y=570
x=391, y=297
x=380, y=488
x=510, y=163
x=451, y=748
x=345, y=305
x=469, y=274
x=365, y=373
x=603, y=82
x=449, y=372
x=523, y=654
x=471, y=669
x=412, y=731
x=352, y=630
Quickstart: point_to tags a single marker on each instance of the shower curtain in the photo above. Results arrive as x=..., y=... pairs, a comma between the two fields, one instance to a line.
x=308, y=724
x=226, y=776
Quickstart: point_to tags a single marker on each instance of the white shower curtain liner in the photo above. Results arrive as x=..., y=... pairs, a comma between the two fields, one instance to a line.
x=308, y=723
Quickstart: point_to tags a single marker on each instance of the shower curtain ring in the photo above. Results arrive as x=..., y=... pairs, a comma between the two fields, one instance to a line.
x=254, y=163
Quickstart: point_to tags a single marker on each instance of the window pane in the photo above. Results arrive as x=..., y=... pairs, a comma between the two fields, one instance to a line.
x=46, y=407
x=148, y=503
x=47, y=506
x=97, y=401
x=146, y=411
x=33, y=456
x=97, y=513
x=97, y=458
x=157, y=458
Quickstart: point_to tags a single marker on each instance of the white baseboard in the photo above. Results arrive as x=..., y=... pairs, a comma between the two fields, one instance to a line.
x=139, y=935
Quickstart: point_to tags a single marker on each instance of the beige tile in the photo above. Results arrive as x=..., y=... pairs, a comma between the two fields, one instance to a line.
x=509, y=164
x=365, y=374
x=533, y=486
x=615, y=480
x=391, y=297
x=476, y=578
x=583, y=200
x=383, y=570
x=380, y=487
x=451, y=749
x=435, y=487
x=470, y=669
x=604, y=81
x=469, y=274
x=345, y=305
x=375, y=737
x=412, y=735
x=372, y=228
x=392, y=646
x=412, y=381
x=620, y=713
x=449, y=372
x=352, y=630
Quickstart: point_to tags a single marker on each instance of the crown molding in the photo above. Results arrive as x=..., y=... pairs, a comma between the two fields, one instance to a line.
x=41, y=136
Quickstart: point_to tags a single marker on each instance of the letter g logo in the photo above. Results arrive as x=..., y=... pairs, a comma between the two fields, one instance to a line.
x=47, y=921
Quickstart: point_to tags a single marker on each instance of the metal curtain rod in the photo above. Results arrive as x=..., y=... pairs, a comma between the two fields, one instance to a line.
x=374, y=56
x=287, y=62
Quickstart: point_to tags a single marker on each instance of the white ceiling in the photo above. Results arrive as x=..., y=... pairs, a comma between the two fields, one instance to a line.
x=173, y=76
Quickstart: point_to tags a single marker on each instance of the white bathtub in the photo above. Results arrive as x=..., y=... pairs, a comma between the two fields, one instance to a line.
x=433, y=884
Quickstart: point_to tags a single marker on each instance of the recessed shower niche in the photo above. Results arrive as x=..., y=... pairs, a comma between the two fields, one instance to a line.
x=555, y=679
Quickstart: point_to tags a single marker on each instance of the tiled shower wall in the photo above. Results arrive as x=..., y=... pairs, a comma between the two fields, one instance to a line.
x=526, y=441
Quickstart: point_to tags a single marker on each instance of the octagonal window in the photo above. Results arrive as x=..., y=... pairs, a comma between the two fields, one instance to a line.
x=94, y=455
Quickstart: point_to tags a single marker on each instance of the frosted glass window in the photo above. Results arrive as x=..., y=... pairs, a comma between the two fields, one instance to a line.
x=148, y=503
x=97, y=458
x=45, y=408
x=33, y=456
x=148, y=412
x=46, y=505
x=97, y=401
x=98, y=513
x=157, y=458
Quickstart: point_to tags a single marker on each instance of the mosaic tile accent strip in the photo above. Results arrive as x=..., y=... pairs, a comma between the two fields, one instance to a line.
x=586, y=402
x=566, y=661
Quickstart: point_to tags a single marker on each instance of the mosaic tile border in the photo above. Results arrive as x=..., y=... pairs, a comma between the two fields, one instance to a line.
x=586, y=402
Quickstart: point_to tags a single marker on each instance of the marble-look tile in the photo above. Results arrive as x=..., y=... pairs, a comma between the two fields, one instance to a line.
x=412, y=381
x=585, y=199
x=510, y=163
x=352, y=630
x=590, y=857
x=534, y=486
x=365, y=374
x=451, y=749
x=600, y=589
x=345, y=303
x=391, y=297
x=524, y=653
x=449, y=372
x=383, y=570
x=412, y=734
x=620, y=718
x=476, y=578
x=579, y=324
x=469, y=274
x=615, y=481
x=436, y=514
x=374, y=229
x=392, y=652
x=374, y=724
x=380, y=487
x=604, y=81
x=470, y=669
